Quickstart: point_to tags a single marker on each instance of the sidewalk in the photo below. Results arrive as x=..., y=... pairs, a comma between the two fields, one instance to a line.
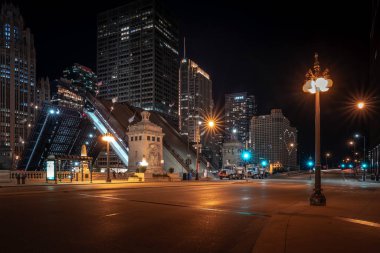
x=319, y=229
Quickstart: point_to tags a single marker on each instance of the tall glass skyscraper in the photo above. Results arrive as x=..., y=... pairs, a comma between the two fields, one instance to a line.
x=238, y=111
x=137, y=56
x=195, y=97
x=18, y=105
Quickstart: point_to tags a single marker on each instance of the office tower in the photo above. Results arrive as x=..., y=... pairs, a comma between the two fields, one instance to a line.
x=137, y=56
x=274, y=139
x=238, y=110
x=82, y=76
x=42, y=91
x=195, y=97
x=17, y=82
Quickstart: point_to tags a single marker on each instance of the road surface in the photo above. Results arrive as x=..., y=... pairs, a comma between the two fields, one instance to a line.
x=239, y=216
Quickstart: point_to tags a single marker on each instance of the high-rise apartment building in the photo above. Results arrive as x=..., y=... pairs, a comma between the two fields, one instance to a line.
x=273, y=139
x=137, y=56
x=17, y=81
x=195, y=97
x=238, y=111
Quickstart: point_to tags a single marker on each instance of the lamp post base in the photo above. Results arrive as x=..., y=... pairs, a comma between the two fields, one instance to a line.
x=108, y=180
x=196, y=176
x=317, y=198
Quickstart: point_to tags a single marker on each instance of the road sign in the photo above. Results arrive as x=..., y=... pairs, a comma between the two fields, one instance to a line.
x=188, y=161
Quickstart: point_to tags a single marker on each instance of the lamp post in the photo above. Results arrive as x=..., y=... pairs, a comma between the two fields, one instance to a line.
x=327, y=156
x=198, y=140
x=108, y=138
x=210, y=124
x=317, y=82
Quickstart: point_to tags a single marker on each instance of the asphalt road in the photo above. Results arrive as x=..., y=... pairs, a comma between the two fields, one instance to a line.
x=176, y=217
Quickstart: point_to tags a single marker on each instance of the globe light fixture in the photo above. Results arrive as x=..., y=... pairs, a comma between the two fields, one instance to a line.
x=317, y=82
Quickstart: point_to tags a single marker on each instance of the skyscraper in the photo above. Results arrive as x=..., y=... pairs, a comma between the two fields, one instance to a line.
x=195, y=97
x=274, y=139
x=238, y=111
x=43, y=91
x=81, y=76
x=17, y=81
x=137, y=56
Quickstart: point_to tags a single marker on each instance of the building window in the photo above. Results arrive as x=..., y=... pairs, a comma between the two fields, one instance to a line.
x=132, y=138
x=140, y=138
x=158, y=139
x=153, y=138
x=148, y=138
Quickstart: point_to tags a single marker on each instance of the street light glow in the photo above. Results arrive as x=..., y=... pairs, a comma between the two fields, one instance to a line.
x=211, y=123
x=108, y=137
x=360, y=105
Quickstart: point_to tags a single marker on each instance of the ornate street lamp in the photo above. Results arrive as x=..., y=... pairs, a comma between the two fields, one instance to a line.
x=108, y=138
x=317, y=82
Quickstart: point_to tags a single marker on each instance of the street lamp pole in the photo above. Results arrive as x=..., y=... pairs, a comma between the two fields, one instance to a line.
x=317, y=195
x=317, y=82
x=108, y=163
x=108, y=138
x=197, y=143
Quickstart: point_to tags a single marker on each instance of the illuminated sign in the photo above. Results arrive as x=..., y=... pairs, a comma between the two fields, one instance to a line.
x=50, y=168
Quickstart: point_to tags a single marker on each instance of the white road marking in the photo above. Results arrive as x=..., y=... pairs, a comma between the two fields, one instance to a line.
x=112, y=214
x=362, y=222
x=99, y=196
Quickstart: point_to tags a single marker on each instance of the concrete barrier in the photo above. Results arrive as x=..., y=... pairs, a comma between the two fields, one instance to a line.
x=5, y=176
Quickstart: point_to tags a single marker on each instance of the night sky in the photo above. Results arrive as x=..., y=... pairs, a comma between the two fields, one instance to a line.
x=262, y=47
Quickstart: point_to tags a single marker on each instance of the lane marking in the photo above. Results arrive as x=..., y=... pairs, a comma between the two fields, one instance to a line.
x=98, y=196
x=240, y=212
x=112, y=214
x=361, y=222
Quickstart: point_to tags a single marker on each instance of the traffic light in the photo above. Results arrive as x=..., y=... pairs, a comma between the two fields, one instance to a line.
x=364, y=166
x=246, y=155
x=343, y=166
x=264, y=163
x=310, y=163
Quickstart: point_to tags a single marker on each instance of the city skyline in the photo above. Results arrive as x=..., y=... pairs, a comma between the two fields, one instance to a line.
x=253, y=48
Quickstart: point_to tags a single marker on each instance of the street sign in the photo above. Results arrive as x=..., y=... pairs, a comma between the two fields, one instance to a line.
x=188, y=161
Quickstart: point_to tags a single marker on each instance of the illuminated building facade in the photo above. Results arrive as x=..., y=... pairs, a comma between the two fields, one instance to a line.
x=137, y=56
x=273, y=139
x=42, y=91
x=195, y=97
x=238, y=111
x=17, y=82
x=82, y=76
